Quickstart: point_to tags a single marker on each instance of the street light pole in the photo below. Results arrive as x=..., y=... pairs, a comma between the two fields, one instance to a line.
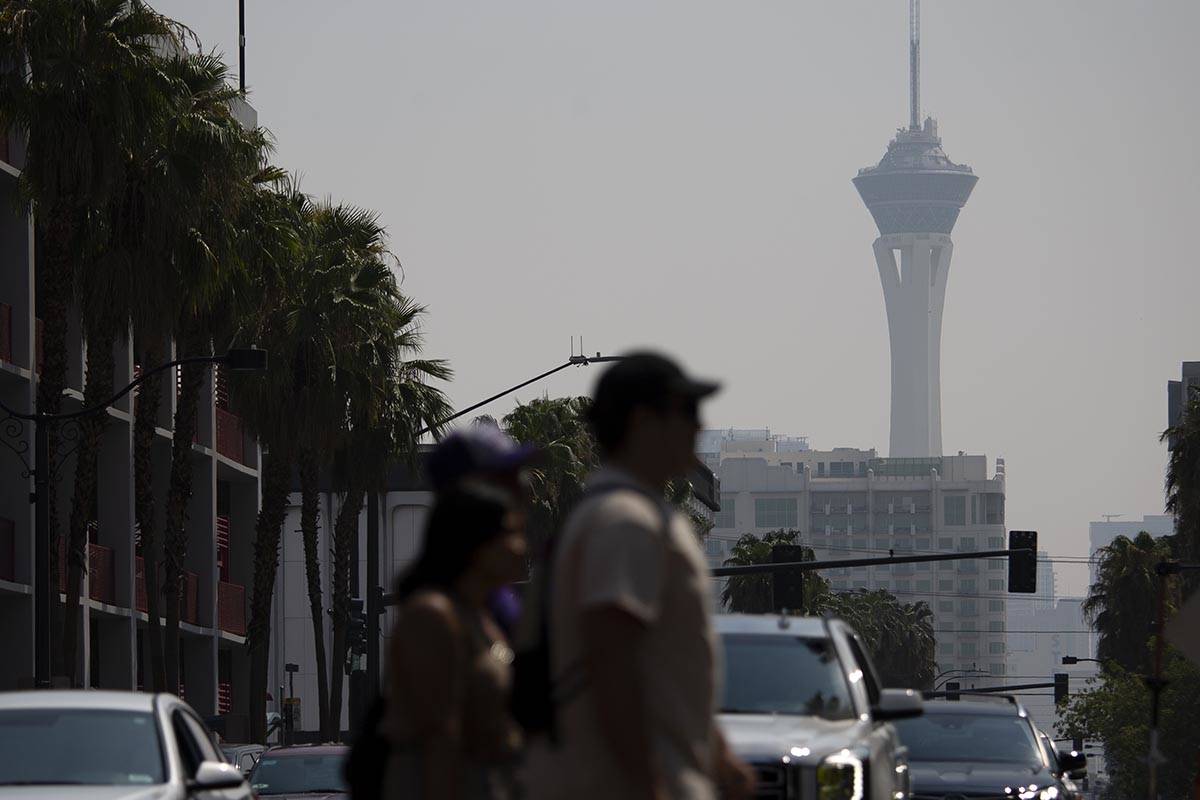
x=237, y=360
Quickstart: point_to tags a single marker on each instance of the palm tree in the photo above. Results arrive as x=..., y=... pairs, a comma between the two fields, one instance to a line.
x=87, y=89
x=1121, y=604
x=1183, y=478
x=753, y=594
x=898, y=636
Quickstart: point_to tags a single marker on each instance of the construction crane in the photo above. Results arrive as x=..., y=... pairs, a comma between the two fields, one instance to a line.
x=914, y=64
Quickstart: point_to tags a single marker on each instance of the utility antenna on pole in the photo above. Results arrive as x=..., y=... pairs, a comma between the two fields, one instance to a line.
x=242, y=46
x=914, y=64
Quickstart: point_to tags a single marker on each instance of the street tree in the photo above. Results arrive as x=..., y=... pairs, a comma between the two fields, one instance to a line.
x=753, y=594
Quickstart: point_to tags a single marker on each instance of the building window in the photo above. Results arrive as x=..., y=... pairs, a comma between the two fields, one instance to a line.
x=968, y=607
x=996, y=564
x=945, y=566
x=775, y=512
x=995, y=585
x=922, y=544
x=922, y=586
x=727, y=516
x=945, y=543
x=860, y=545
x=995, y=543
x=839, y=584
x=966, y=544
x=996, y=648
x=883, y=585
x=820, y=469
x=967, y=585
x=946, y=606
x=967, y=649
x=922, y=566
x=993, y=508
x=996, y=626
x=903, y=587
x=974, y=509
x=997, y=669
x=945, y=586
x=996, y=606
x=955, y=509
x=713, y=546
x=946, y=648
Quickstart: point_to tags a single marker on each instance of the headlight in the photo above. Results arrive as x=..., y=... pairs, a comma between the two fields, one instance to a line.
x=840, y=777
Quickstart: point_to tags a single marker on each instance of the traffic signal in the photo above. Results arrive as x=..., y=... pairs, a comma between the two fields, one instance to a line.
x=1022, y=565
x=788, y=587
x=1061, y=688
x=952, y=690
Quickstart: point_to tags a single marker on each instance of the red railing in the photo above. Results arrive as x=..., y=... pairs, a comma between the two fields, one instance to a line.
x=231, y=608
x=230, y=442
x=222, y=548
x=5, y=332
x=189, y=591
x=101, y=574
x=8, y=552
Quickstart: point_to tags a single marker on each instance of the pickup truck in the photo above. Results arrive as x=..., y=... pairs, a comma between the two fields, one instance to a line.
x=803, y=705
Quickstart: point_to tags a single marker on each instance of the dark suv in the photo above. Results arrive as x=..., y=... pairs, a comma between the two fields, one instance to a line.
x=983, y=747
x=304, y=772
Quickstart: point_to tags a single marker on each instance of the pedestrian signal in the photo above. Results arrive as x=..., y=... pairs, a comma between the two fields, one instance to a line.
x=1061, y=688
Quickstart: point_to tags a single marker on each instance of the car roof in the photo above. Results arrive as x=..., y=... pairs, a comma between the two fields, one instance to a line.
x=988, y=708
x=772, y=624
x=79, y=698
x=308, y=750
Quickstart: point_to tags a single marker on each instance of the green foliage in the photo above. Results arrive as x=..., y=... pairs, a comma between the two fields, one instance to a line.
x=1183, y=483
x=899, y=636
x=752, y=594
x=1115, y=709
x=1121, y=603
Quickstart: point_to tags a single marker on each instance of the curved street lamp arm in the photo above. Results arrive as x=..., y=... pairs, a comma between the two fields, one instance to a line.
x=38, y=416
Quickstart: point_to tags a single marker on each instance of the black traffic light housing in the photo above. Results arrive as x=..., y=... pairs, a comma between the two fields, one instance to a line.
x=1061, y=688
x=787, y=588
x=1022, y=565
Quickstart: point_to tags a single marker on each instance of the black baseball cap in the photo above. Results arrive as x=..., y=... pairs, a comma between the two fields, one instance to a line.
x=481, y=448
x=644, y=378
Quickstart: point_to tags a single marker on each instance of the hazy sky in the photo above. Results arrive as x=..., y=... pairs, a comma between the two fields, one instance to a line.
x=677, y=174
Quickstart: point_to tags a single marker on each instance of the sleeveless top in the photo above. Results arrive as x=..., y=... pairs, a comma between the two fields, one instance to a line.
x=489, y=737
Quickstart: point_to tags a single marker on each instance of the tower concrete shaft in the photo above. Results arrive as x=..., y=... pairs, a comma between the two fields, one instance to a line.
x=913, y=268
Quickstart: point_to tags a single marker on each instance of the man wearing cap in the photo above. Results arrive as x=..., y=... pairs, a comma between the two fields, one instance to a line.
x=632, y=647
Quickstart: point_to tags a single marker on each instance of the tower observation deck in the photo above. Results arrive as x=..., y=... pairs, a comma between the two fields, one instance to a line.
x=915, y=194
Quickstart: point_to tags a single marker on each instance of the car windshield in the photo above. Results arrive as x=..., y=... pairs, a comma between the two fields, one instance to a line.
x=783, y=675
x=970, y=738
x=99, y=747
x=296, y=774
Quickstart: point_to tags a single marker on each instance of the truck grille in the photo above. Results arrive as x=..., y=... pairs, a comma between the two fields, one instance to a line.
x=779, y=782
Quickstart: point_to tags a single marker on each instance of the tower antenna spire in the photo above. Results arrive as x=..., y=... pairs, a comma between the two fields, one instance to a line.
x=914, y=64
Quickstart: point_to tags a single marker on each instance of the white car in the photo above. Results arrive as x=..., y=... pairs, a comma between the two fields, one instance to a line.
x=101, y=745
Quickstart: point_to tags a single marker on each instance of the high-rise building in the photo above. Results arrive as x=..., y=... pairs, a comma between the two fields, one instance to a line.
x=915, y=193
x=849, y=503
x=1180, y=391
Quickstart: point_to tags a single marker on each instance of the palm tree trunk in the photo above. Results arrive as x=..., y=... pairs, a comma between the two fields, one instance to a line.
x=175, y=536
x=83, y=505
x=309, y=517
x=55, y=263
x=276, y=470
x=149, y=398
x=344, y=535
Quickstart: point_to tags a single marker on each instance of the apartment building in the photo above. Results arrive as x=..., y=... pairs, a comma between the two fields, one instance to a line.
x=221, y=515
x=850, y=503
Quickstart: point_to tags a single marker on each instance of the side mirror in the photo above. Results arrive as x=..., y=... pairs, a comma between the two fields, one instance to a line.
x=1072, y=762
x=898, y=704
x=213, y=775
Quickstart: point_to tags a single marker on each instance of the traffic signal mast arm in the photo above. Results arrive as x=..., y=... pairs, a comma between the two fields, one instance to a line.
x=809, y=566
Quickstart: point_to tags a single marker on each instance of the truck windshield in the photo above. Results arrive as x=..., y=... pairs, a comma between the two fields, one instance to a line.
x=970, y=738
x=95, y=747
x=770, y=674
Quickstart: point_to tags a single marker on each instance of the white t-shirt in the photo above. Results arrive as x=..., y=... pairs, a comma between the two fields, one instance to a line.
x=626, y=559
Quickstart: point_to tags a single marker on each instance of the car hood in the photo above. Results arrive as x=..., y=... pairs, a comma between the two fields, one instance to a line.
x=87, y=793
x=307, y=796
x=771, y=736
x=948, y=777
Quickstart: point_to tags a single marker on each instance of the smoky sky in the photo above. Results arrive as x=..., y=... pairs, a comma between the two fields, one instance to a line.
x=677, y=175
